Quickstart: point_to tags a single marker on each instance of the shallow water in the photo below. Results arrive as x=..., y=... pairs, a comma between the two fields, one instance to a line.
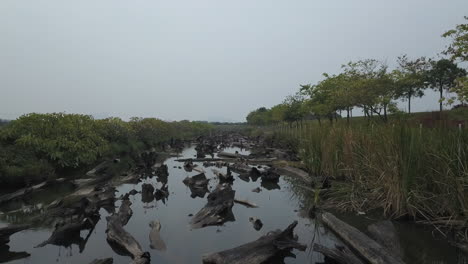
x=278, y=207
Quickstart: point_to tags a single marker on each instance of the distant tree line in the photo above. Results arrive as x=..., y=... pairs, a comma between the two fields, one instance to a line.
x=374, y=88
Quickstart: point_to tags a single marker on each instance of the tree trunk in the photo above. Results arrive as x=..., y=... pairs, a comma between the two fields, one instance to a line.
x=441, y=95
x=409, y=103
x=385, y=113
x=347, y=115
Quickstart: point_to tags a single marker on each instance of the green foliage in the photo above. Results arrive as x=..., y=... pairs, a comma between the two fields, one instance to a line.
x=68, y=140
x=458, y=49
x=35, y=146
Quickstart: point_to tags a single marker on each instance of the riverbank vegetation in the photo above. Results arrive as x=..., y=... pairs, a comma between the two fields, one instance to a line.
x=409, y=165
x=37, y=147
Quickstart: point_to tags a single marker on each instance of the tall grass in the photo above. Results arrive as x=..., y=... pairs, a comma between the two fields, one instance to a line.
x=406, y=170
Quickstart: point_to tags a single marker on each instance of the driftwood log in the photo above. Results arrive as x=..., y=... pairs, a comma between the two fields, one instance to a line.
x=340, y=254
x=218, y=210
x=246, y=203
x=118, y=237
x=261, y=250
x=366, y=247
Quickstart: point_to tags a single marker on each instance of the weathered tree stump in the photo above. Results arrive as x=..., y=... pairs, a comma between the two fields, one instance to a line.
x=261, y=250
x=117, y=236
x=197, y=184
x=147, y=193
x=218, y=210
x=156, y=241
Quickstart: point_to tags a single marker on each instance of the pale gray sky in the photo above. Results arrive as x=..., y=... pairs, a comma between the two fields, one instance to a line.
x=198, y=60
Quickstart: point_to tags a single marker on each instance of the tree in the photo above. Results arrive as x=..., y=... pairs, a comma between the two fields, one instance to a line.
x=294, y=108
x=409, y=78
x=442, y=76
x=372, y=88
x=259, y=117
x=458, y=49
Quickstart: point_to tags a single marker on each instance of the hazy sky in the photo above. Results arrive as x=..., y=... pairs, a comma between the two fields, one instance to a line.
x=198, y=60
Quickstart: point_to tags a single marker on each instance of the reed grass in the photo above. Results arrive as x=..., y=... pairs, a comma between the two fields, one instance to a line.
x=404, y=169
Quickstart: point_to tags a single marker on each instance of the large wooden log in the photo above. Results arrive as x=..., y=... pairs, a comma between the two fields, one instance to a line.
x=261, y=250
x=341, y=255
x=118, y=236
x=366, y=247
x=218, y=210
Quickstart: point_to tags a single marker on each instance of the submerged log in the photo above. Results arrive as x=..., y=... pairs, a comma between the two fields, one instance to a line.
x=6, y=232
x=366, y=247
x=218, y=210
x=297, y=173
x=340, y=254
x=156, y=241
x=117, y=236
x=385, y=234
x=246, y=203
x=22, y=192
x=103, y=261
x=259, y=251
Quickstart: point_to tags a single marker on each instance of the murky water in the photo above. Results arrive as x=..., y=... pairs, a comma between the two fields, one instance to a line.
x=278, y=207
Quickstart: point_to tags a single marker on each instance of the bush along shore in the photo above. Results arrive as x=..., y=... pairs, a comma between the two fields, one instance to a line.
x=40, y=147
x=408, y=172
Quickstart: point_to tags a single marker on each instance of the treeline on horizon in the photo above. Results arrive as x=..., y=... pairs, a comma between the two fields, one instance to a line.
x=375, y=88
x=37, y=147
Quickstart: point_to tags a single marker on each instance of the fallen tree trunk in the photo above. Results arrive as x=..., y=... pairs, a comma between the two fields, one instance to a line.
x=218, y=210
x=366, y=247
x=117, y=235
x=258, y=251
x=22, y=192
x=342, y=255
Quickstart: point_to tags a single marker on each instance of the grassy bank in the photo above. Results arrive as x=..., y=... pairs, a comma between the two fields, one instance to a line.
x=403, y=168
x=36, y=147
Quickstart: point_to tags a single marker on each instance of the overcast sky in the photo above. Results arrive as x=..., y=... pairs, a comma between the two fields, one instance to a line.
x=199, y=60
